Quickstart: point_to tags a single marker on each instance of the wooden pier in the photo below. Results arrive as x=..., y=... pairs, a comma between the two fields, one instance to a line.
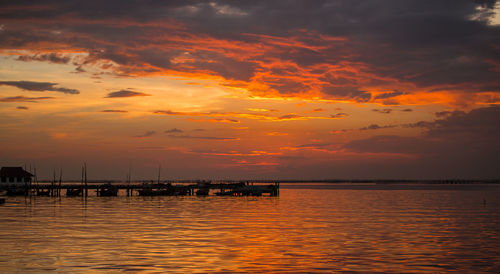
x=199, y=188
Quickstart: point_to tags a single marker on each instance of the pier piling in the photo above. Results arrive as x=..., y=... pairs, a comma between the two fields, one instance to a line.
x=158, y=188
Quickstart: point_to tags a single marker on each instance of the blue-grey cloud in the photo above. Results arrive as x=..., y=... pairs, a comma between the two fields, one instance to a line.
x=125, y=93
x=383, y=111
x=38, y=86
x=146, y=134
x=463, y=144
x=174, y=130
x=388, y=95
x=48, y=57
x=201, y=137
x=375, y=126
x=23, y=99
x=442, y=114
x=114, y=111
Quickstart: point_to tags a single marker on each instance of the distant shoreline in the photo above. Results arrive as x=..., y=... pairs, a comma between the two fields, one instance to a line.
x=336, y=181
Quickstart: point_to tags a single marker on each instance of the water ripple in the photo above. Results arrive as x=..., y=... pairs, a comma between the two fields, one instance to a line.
x=311, y=229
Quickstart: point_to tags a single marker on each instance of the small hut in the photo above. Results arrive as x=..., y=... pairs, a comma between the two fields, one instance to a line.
x=15, y=176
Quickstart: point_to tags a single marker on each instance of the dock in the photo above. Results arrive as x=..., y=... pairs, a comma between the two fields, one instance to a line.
x=198, y=188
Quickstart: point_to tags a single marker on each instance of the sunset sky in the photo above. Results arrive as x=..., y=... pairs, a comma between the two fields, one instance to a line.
x=251, y=89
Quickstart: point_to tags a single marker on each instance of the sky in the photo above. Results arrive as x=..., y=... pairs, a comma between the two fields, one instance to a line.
x=301, y=90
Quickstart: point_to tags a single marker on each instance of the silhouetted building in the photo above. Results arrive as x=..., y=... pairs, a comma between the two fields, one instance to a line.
x=15, y=175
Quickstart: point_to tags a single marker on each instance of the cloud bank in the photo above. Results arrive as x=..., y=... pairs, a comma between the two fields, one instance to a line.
x=463, y=144
x=390, y=52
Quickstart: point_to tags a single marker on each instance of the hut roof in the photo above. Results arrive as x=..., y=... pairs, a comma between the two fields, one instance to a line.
x=14, y=172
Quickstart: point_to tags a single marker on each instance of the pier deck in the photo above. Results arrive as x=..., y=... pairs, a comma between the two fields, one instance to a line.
x=144, y=189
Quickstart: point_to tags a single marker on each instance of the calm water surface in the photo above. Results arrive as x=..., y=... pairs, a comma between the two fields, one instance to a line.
x=310, y=228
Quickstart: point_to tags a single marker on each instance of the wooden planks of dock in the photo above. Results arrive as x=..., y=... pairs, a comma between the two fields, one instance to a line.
x=201, y=188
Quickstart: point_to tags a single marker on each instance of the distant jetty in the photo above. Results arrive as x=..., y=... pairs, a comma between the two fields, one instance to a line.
x=16, y=182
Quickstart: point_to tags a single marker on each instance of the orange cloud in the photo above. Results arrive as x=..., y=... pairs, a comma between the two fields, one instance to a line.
x=304, y=64
x=247, y=163
x=262, y=109
x=240, y=154
x=233, y=115
x=274, y=133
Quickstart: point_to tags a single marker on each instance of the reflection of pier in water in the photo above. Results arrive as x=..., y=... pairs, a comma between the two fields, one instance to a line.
x=199, y=188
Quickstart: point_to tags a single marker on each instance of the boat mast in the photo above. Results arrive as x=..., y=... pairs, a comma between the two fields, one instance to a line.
x=86, y=187
x=60, y=183
x=159, y=171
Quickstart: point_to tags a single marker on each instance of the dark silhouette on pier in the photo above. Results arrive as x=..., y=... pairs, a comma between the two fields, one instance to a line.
x=181, y=188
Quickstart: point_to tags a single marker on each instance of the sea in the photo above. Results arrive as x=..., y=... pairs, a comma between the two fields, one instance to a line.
x=308, y=228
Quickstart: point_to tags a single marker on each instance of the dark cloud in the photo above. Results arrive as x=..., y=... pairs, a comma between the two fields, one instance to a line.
x=23, y=99
x=339, y=48
x=419, y=124
x=482, y=123
x=146, y=134
x=173, y=130
x=375, y=126
x=168, y=112
x=79, y=69
x=407, y=110
x=38, y=86
x=384, y=111
x=218, y=120
x=388, y=95
x=348, y=92
x=339, y=115
x=318, y=110
x=340, y=131
x=289, y=116
x=315, y=145
x=442, y=114
x=125, y=93
x=391, y=144
x=201, y=137
x=461, y=145
x=114, y=111
x=48, y=57
x=22, y=107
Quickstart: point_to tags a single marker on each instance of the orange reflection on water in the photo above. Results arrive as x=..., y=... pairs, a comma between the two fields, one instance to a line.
x=316, y=228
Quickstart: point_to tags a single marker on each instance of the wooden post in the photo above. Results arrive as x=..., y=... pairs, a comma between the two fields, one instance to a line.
x=26, y=190
x=81, y=184
x=53, y=184
x=60, y=183
x=86, y=186
x=129, y=190
x=159, y=170
x=31, y=190
x=36, y=181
